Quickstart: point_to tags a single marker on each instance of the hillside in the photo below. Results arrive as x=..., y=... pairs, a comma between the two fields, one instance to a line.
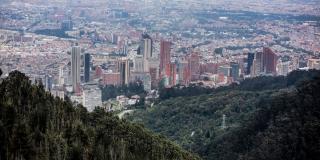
x=35, y=125
x=265, y=118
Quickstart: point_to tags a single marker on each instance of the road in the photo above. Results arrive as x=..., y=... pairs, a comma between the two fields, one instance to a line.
x=121, y=114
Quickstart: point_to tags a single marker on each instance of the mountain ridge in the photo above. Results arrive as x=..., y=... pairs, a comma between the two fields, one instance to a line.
x=254, y=112
x=36, y=125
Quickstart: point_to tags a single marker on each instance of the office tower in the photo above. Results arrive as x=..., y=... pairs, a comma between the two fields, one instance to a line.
x=67, y=25
x=75, y=67
x=173, y=74
x=87, y=59
x=124, y=70
x=48, y=82
x=138, y=63
x=295, y=63
x=183, y=72
x=146, y=46
x=165, y=48
x=249, y=62
x=283, y=68
x=114, y=38
x=194, y=64
x=269, y=61
x=154, y=77
x=61, y=76
x=145, y=49
x=154, y=71
x=257, y=66
x=124, y=49
x=234, y=70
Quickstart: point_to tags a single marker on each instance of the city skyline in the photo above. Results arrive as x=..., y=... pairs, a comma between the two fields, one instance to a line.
x=215, y=43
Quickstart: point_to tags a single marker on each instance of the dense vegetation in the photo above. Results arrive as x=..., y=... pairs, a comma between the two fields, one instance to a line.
x=53, y=32
x=111, y=91
x=253, y=84
x=265, y=118
x=35, y=125
x=181, y=91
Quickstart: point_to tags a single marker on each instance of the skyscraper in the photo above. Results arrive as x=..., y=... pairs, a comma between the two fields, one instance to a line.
x=138, y=62
x=67, y=25
x=165, y=47
x=269, y=61
x=146, y=46
x=249, y=62
x=313, y=63
x=283, y=68
x=145, y=49
x=87, y=59
x=194, y=64
x=124, y=70
x=48, y=82
x=234, y=70
x=61, y=76
x=75, y=67
x=183, y=72
x=257, y=66
x=173, y=74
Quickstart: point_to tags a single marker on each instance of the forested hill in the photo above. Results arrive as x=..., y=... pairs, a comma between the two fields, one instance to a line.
x=266, y=118
x=251, y=84
x=34, y=126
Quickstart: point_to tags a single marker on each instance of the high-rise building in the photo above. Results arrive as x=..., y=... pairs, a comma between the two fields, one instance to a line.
x=154, y=77
x=75, y=67
x=138, y=63
x=234, y=70
x=173, y=74
x=283, y=68
x=183, y=72
x=313, y=63
x=48, y=82
x=146, y=46
x=114, y=38
x=194, y=64
x=249, y=62
x=67, y=25
x=165, y=48
x=295, y=63
x=87, y=59
x=269, y=61
x=145, y=49
x=124, y=70
x=257, y=66
x=61, y=76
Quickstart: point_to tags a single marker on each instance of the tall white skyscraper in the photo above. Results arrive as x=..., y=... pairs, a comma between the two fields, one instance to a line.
x=75, y=67
x=146, y=51
x=61, y=76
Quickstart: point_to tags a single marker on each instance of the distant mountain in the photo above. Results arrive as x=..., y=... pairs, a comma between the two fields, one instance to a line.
x=263, y=118
x=34, y=126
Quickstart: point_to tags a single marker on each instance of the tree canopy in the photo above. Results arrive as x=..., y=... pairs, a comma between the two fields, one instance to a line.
x=265, y=118
x=35, y=125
